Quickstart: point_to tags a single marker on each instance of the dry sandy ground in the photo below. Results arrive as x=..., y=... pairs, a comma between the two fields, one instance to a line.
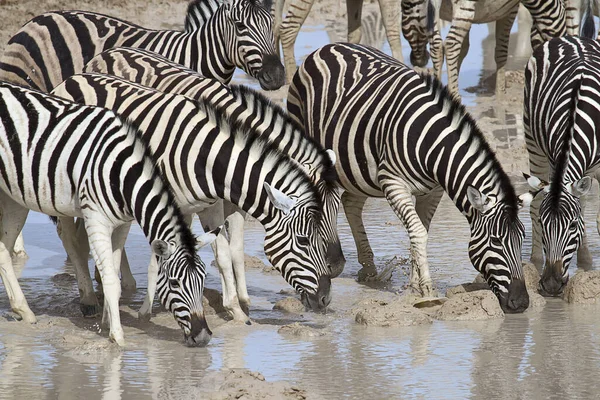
x=60, y=323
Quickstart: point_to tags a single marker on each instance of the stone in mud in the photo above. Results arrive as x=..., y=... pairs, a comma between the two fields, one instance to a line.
x=290, y=304
x=471, y=306
x=466, y=288
x=63, y=279
x=212, y=302
x=397, y=312
x=583, y=288
x=296, y=329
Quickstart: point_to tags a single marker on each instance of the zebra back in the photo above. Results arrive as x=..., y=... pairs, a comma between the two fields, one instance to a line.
x=66, y=159
x=53, y=46
x=386, y=122
x=206, y=156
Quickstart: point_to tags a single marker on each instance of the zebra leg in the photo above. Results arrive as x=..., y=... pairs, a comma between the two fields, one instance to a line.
x=456, y=35
x=426, y=205
x=464, y=50
x=390, y=13
x=353, y=207
x=128, y=283
x=78, y=254
x=101, y=247
x=297, y=12
x=436, y=45
x=584, y=256
x=354, y=8
x=118, y=238
x=19, y=249
x=277, y=12
x=211, y=218
x=235, y=230
x=573, y=12
x=13, y=219
x=503, y=27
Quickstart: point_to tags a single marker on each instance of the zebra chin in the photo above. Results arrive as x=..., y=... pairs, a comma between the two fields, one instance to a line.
x=200, y=334
x=272, y=74
x=517, y=299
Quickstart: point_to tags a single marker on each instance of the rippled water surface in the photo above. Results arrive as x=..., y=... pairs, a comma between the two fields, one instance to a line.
x=553, y=352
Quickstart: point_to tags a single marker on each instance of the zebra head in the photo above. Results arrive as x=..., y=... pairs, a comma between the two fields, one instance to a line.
x=562, y=230
x=295, y=248
x=251, y=41
x=180, y=286
x=495, y=247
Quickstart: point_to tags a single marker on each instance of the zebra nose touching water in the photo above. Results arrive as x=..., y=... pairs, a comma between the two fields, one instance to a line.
x=399, y=134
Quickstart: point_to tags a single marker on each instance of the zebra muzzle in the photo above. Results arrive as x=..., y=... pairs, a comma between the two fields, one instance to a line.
x=272, y=74
x=552, y=282
x=320, y=300
x=200, y=334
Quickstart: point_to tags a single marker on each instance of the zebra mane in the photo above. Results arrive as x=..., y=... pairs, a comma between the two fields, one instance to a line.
x=198, y=12
x=262, y=105
x=242, y=130
x=454, y=107
x=562, y=161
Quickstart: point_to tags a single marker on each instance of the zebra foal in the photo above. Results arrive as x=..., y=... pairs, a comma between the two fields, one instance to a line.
x=398, y=134
x=561, y=110
x=218, y=37
x=267, y=120
x=206, y=156
x=69, y=160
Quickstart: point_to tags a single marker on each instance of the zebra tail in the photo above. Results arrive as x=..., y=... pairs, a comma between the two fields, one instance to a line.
x=588, y=27
x=431, y=16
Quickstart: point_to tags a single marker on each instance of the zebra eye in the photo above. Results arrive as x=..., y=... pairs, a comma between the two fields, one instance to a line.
x=240, y=25
x=303, y=240
x=573, y=225
x=174, y=283
x=496, y=242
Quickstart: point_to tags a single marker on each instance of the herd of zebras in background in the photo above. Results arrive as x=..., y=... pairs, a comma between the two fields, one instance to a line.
x=110, y=123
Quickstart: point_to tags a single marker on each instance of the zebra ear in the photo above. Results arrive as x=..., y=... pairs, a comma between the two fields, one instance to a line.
x=478, y=200
x=208, y=237
x=161, y=248
x=581, y=187
x=332, y=156
x=280, y=200
x=536, y=183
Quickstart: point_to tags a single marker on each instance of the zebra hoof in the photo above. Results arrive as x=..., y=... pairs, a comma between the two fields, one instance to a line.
x=367, y=274
x=90, y=311
x=144, y=317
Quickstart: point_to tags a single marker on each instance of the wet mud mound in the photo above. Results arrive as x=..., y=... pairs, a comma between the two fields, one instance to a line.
x=212, y=302
x=389, y=313
x=247, y=385
x=299, y=330
x=471, y=306
x=290, y=305
x=583, y=288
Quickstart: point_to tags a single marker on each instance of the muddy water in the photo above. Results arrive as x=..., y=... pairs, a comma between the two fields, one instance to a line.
x=551, y=352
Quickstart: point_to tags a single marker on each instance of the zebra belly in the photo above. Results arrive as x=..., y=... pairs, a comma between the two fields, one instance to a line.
x=485, y=10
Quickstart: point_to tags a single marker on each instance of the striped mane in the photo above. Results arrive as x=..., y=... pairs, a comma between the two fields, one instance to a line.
x=453, y=108
x=198, y=12
x=259, y=104
x=562, y=161
x=271, y=156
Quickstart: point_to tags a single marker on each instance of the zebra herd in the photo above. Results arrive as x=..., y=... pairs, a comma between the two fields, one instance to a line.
x=109, y=123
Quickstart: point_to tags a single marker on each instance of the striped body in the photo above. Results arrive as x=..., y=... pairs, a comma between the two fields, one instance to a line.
x=205, y=156
x=68, y=160
x=549, y=20
x=398, y=134
x=53, y=46
x=417, y=27
x=561, y=107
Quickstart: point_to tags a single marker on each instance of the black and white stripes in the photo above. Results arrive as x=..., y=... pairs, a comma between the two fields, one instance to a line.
x=399, y=134
x=69, y=160
x=561, y=109
x=237, y=33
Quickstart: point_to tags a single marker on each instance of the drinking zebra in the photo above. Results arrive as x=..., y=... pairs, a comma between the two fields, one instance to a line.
x=207, y=156
x=549, y=20
x=561, y=107
x=268, y=120
x=70, y=160
x=398, y=134
x=417, y=27
x=219, y=37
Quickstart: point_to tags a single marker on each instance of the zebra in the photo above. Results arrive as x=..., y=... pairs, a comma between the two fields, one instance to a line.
x=399, y=134
x=562, y=83
x=549, y=17
x=206, y=156
x=268, y=120
x=218, y=37
x=69, y=160
x=575, y=13
x=417, y=27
